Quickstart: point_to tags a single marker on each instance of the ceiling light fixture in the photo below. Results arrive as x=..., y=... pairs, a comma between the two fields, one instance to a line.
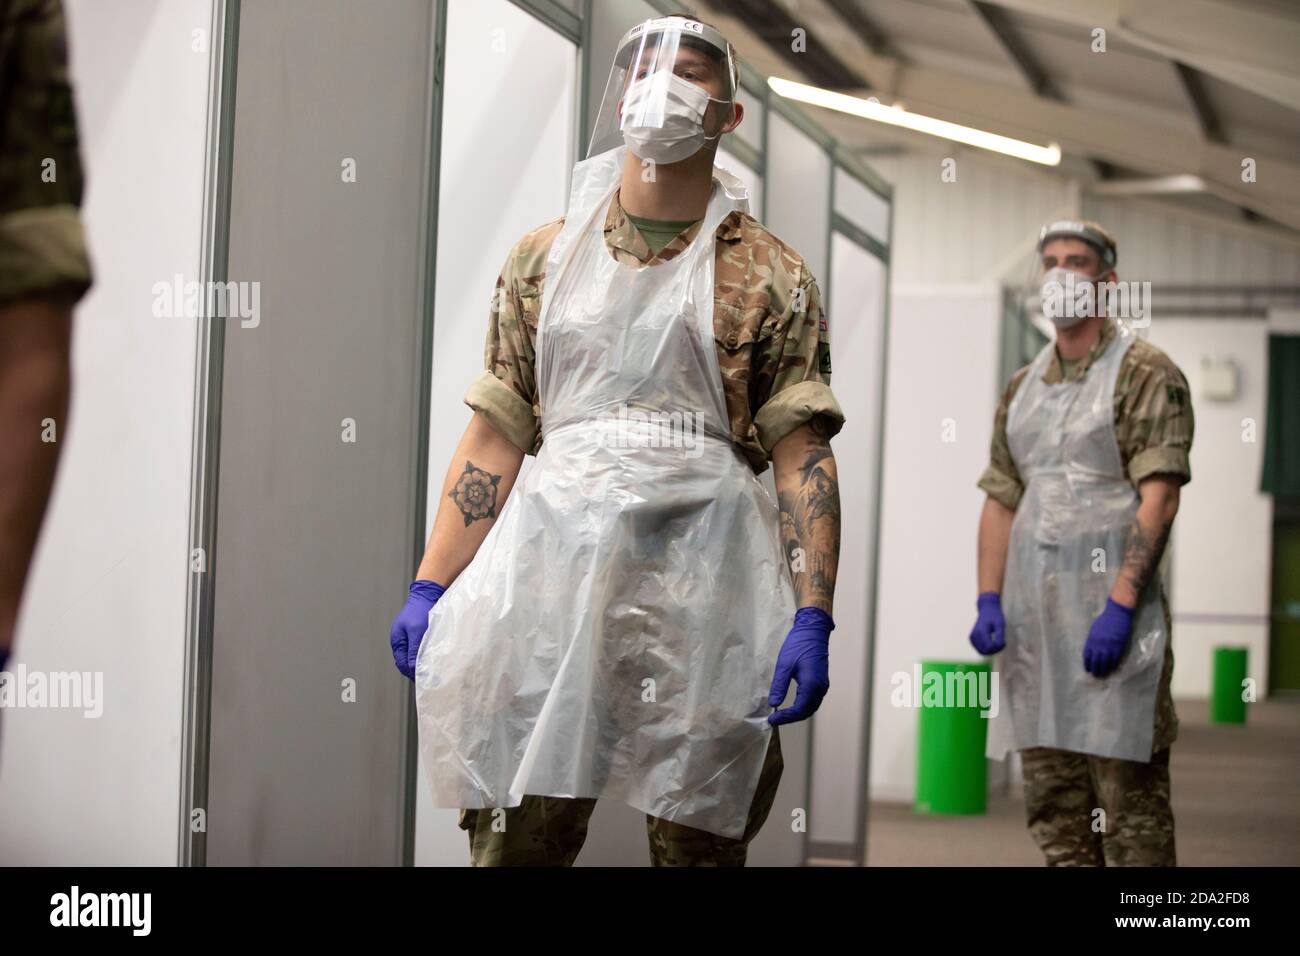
x=1049, y=155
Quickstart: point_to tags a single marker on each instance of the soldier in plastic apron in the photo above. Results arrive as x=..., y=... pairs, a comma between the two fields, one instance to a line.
x=1066, y=548
x=616, y=632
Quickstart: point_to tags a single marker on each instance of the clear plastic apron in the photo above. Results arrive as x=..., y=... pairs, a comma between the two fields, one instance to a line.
x=1067, y=545
x=616, y=633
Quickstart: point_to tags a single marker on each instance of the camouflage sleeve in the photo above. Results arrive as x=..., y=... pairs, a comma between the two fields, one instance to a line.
x=505, y=392
x=1001, y=479
x=798, y=364
x=1154, y=420
x=42, y=245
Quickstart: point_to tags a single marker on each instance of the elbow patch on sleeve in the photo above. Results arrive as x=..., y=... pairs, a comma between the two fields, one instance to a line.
x=504, y=410
x=794, y=406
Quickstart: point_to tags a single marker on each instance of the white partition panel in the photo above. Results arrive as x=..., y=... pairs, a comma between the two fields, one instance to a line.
x=942, y=392
x=751, y=127
x=107, y=591
x=855, y=202
x=857, y=315
x=507, y=131
x=798, y=192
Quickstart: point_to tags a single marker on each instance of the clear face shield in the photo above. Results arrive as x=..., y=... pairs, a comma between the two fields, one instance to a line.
x=671, y=90
x=1061, y=288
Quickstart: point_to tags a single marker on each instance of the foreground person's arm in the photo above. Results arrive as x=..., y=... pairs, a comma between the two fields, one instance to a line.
x=479, y=478
x=808, y=494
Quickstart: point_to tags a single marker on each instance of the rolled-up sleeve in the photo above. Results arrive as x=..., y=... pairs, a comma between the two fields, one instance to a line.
x=42, y=240
x=505, y=392
x=1001, y=479
x=801, y=380
x=1157, y=436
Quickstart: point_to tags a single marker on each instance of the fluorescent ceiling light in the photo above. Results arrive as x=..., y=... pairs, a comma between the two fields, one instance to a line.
x=897, y=116
x=1158, y=186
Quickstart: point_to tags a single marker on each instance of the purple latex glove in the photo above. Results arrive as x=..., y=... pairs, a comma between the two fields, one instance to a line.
x=989, y=635
x=411, y=623
x=1107, y=639
x=805, y=657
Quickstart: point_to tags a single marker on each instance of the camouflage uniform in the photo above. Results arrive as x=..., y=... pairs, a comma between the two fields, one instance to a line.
x=768, y=328
x=773, y=352
x=42, y=248
x=1153, y=428
x=550, y=831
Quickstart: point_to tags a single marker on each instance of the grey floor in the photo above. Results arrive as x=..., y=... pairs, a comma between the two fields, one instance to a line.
x=1236, y=795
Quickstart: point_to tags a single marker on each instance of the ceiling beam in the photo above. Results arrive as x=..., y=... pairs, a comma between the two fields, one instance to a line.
x=1252, y=46
x=775, y=26
x=1130, y=143
x=998, y=24
x=872, y=36
x=1206, y=116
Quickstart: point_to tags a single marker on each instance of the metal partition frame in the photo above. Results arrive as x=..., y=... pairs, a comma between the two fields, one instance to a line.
x=196, y=691
x=881, y=250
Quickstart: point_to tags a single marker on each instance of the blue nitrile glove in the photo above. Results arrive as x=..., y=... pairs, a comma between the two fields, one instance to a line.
x=989, y=635
x=411, y=623
x=805, y=656
x=1107, y=639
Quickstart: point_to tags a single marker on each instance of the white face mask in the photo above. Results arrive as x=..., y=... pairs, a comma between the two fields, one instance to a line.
x=1068, y=297
x=682, y=132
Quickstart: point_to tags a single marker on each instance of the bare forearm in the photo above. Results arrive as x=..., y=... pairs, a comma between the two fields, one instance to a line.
x=995, y=533
x=808, y=493
x=478, y=481
x=1146, y=542
x=34, y=392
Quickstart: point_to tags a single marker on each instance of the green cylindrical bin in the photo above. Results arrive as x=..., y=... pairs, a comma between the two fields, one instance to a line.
x=1226, y=704
x=951, y=773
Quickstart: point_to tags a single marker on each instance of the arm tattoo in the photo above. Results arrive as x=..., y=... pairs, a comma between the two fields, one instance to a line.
x=810, y=523
x=475, y=493
x=1142, y=554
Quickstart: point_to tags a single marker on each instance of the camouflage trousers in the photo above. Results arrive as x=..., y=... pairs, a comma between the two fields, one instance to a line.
x=1085, y=810
x=550, y=831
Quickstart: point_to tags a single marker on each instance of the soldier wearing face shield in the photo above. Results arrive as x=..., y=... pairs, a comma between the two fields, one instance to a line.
x=623, y=624
x=1090, y=447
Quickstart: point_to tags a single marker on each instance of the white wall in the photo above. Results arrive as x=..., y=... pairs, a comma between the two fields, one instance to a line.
x=107, y=592
x=1219, y=569
x=1158, y=243
x=964, y=231
x=942, y=393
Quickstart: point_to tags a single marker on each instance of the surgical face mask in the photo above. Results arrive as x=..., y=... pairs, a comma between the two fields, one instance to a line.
x=683, y=108
x=1068, y=297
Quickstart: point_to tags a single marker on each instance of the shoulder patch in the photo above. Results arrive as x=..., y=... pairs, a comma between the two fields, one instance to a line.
x=824, y=357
